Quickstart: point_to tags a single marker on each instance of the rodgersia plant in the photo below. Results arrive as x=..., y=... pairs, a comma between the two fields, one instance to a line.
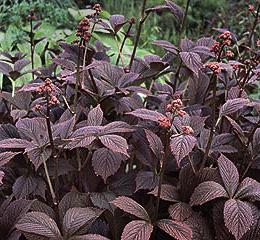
x=160, y=147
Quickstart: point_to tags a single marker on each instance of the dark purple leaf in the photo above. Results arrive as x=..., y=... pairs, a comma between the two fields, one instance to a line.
x=71, y=200
x=39, y=223
x=80, y=142
x=166, y=45
x=127, y=79
x=64, y=129
x=95, y=116
x=155, y=143
x=42, y=207
x=102, y=200
x=146, y=114
x=117, y=22
x=232, y=106
x=130, y=206
x=24, y=185
x=106, y=162
x=237, y=129
x=5, y=157
x=186, y=45
x=38, y=24
x=5, y=68
x=206, y=192
x=64, y=63
x=202, y=51
x=17, y=114
x=248, y=188
x=181, y=146
x=21, y=100
x=229, y=174
x=146, y=180
x=206, y=42
x=115, y=143
x=180, y=211
x=75, y=218
x=178, y=230
x=152, y=9
x=168, y=193
x=137, y=230
x=117, y=127
x=20, y=64
x=192, y=61
x=238, y=217
x=176, y=10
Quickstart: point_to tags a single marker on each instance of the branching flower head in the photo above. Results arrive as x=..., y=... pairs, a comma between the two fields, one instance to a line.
x=187, y=129
x=213, y=66
x=164, y=122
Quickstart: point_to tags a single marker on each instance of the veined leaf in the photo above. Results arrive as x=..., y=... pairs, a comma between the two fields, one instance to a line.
x=155, y=142
x=232, y=106
x=180, y=211
x=206, y=192
x=137, y=230
x=130, y=206
x=146, y=180
x=146, y=114
x=95, y=116
x=168, y=193
x=192, y=60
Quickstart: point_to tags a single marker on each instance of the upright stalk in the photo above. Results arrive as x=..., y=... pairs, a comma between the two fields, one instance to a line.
x=32, y=46
x=254, y=26
x=212, y=130
x=183, y=21
x=142, y=20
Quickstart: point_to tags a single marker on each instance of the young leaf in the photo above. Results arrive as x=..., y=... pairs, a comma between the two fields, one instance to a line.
x=137, y=230
x=180, y=211
x=39, y=223
x=229, y=174
x=146, y=180
x=192, y=60
x=168, y=193
x=232, y=106
x=75, y=218
x=115, y=143
x=117, y=22
x=155, y=142
x=106, y=162
x=95, y=116
x=130, y=206
x=180, y=231
x=238, y=217
x=176, y=10
x=181, y=146
x=207, y=191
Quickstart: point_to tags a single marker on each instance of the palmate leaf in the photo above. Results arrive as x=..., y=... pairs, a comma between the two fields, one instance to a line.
x=178, y=230
x=39, y=223
x=106, y=162
x=137, y=230
x=116, y=127
x=130, y=206
x=192, y=60
x=181, y=146
x=115, y=143
x=232, y=106
x=75, y=218
x=206, y=192
x=238, y=217
x=168, y=193
x=229, y=174
x=95, y=116
x=248, y=188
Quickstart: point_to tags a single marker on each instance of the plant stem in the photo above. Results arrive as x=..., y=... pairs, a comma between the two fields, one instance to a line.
x=55, y=158
x=176, y=76
x=123, y=43
x=212, y=130
x=183, y=21
x=32, y=46
x=254, y=26
x=142, y=20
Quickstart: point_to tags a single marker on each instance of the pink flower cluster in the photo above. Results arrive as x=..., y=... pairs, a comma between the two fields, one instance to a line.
x=83, y=29
x=213, y=66
x=226, y=36
x=187, y=129
x=31, y=15
x=164, y=122
x=47, y=89
x=215, y=48
x=175, y=107
x=229, y=54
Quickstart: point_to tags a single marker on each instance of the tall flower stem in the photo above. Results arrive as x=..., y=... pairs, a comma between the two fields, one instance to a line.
x=212, y=130
x=254, y=26
x=183, y=21
x=32, y=45
x=142, y=20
